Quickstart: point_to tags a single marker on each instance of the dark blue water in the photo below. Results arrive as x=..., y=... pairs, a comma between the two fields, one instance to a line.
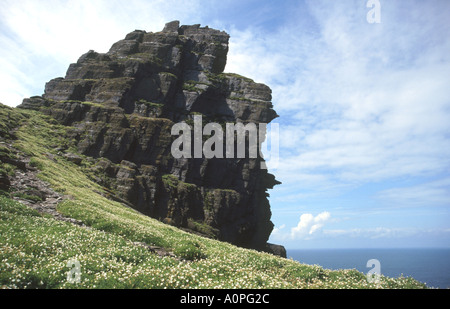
x=430, y=266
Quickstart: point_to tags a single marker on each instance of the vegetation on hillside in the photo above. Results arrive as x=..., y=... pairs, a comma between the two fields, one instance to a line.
x=113, y=245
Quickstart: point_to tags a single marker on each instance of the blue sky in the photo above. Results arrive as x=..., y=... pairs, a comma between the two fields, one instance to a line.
x=364, y=108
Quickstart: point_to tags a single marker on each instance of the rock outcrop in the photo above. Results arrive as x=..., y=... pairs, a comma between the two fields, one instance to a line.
x=122, y=106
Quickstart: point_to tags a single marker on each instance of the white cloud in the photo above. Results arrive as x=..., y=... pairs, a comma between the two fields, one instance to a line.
x=312, y=229
x=40, y=39
x=434, y=193
x=385, y=232
x=358, y=102
x=309, y=225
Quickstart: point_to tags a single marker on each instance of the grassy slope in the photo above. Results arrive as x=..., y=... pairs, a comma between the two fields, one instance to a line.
x=35, y=249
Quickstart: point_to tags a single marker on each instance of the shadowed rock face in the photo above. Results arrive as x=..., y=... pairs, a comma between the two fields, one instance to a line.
x=122, y=106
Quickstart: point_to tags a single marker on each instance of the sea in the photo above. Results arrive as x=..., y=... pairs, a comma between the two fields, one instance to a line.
x=430, y=266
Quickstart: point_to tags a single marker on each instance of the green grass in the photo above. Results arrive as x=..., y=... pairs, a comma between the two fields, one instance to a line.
x=26, y=196
x=36, y=163
x=10, y=119
x=34, y=250
x=190, y=251
x=7, y=169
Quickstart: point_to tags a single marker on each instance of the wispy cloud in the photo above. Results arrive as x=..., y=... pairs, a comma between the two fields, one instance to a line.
x=434, y=193
x=310, y=228
x=360, y=104
x=40, y=39
x=365, y=237
x=385, y=233
x=359, y=101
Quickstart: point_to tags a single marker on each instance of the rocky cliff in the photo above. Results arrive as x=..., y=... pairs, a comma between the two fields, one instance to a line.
x=121, y=106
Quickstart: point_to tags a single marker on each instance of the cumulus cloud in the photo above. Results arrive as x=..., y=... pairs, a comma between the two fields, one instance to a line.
x=309, y=225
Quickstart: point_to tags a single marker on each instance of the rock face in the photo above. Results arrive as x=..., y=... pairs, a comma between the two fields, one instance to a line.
x=122, y=106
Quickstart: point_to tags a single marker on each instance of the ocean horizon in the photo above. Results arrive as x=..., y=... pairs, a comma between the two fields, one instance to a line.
x=427, y=265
